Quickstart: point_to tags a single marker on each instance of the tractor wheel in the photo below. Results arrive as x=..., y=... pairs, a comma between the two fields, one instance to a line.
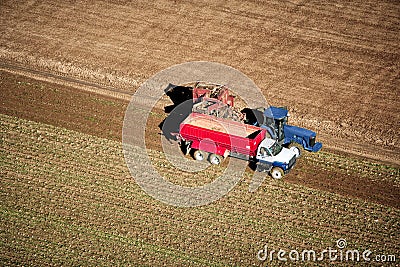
x=215, y=159
x=277, y=173
x=200, y=155
x=297, y=149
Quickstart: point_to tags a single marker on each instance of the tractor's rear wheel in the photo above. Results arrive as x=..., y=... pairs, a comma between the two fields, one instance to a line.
x=277, y=173
x=215, y=159
x=200, y=155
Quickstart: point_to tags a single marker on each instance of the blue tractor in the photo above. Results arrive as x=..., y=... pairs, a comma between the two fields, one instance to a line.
x=274, y=120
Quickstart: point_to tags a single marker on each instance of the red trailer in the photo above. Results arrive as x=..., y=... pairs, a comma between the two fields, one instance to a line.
x=220, y=137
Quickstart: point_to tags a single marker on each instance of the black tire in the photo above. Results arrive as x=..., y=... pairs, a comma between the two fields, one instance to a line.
x=200, y=155
x=215, y=159
x=277, y=173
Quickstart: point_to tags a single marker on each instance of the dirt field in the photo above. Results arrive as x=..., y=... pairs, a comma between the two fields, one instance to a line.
x=66, y=195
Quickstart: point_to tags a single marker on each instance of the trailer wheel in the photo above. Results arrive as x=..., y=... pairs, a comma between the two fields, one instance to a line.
x=277, y=173
x=200, y=155
x=215, y=159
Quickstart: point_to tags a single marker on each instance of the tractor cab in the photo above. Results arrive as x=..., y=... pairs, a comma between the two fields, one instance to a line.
x=275, y=118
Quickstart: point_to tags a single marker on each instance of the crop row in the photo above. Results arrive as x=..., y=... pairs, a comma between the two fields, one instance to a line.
x=348, y=165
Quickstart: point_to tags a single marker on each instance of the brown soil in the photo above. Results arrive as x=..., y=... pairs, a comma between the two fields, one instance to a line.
x=352, y=185
x=61, y=106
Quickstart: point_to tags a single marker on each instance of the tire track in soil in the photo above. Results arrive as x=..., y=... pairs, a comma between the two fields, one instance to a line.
x=61, y=78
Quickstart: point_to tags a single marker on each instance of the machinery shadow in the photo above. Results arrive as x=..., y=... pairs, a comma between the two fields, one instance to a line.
x=182, y=99
x=178, y=95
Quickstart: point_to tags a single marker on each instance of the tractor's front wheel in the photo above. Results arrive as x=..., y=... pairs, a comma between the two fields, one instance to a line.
x=277, y=173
